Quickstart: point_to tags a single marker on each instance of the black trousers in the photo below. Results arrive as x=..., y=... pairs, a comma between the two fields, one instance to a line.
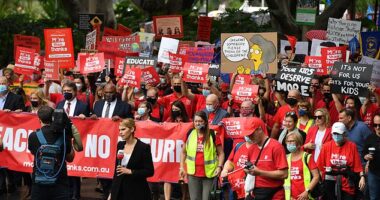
x=12, y=176
x=56, y=192
x=74, y=183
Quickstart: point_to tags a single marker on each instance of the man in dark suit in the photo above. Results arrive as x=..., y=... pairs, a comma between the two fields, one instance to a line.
x=9, y=102
x=114, y=108
x=73, y=108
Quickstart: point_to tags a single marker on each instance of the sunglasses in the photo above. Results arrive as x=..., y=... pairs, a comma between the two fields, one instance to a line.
x=290, y=113
x=318, y=116
x=376, y=125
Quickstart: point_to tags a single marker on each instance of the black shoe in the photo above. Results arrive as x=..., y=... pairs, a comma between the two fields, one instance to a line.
x=99, y=190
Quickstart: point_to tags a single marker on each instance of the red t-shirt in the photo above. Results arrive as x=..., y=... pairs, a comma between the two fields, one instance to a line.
x=199, y=102
x=272, y=158
x=56, y=98
x=169, y=99
x=240, y=157
x=368, y=117
x=279, y=117
x=156, y=112
x=334, y=114
x=297, y=185
x=199, y=157
x=333, y=155
x=81, y=96
x=211, y=117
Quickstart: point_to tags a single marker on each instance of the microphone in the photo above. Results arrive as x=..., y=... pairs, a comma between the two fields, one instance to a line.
x=120, y=156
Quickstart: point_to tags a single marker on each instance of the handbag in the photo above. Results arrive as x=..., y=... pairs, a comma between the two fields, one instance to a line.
x=216, y=192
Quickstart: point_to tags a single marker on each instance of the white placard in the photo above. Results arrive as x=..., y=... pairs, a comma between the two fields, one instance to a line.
x=91, y=40
x=375, y=78
x=301, y=47
x=316, y=47
x=342, y=31
x=167, y=45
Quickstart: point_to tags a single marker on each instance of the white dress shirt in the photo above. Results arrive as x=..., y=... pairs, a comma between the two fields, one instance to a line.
x=73, y=103
x=112, y=108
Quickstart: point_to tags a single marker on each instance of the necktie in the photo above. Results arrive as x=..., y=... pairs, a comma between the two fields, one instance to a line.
x=107, y=110
x=68, y=109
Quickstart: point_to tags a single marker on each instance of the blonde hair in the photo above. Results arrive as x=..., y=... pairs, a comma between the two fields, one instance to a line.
x=326, y=115
x=297, y=136
x=41, y=96
x=129, y=123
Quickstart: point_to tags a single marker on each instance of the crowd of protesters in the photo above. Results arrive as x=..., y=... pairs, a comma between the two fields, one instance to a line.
x=295, y=144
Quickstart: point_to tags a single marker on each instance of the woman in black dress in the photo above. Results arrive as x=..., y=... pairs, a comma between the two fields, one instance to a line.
x=136, y=166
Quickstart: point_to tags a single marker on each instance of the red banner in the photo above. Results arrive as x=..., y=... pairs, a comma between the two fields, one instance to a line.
x=126, y=43
x=315, y=62
x=177, y=61
x=51, y=70
x=204, y=28
x=59, y=46
x=98, y=137
x=131, y=77
x=24, y=60
x=330, y=55
x=31, y=42
x=243, y=79
x=241, y=93
x=119, y=66
x=150, y=76
x=195, y=72
x=123, y=30
x=91, y=62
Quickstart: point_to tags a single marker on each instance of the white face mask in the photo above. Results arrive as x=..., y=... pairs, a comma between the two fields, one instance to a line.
x=79, y=86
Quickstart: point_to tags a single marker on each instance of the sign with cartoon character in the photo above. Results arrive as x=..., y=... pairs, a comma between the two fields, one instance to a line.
x=249, y=53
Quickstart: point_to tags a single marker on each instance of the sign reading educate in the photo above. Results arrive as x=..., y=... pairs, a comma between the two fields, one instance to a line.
x=195, y=72
x=139, y=62
x=59, y=46
x=24, y=60
x=294, y=78
x=246, y=92
x=351, y=78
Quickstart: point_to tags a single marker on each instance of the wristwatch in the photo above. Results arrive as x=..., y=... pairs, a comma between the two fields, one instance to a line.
x=307, y=190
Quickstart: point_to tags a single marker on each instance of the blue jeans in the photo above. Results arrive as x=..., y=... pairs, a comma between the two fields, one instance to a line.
x=374, y=185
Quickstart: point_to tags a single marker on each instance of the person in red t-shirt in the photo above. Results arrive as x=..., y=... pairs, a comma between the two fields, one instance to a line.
x=337, y=158
x=328, y=103
x=158, y=110
x=370, y=106
x=295, y=183
x=293, y=98
x=270, y=168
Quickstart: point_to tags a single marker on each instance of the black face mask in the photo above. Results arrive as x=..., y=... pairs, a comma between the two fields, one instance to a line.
x=68, y=95
x=177, y=88
x=291, y=101
x=151, y=100
x=109, y=97
x=35, y=103
x=176, y=113
x=328, y=96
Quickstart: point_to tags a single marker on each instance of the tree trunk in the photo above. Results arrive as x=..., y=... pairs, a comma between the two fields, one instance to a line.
x=335, y=10
x=163, y=7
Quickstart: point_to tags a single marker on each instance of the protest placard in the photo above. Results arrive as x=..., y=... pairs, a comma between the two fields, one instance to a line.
x=176, y=62
x=330, y=55
x=146, y=44
x=31, y=42
x=131, y=77
x=126, y=43
x=195, y=72
x=317, y=45
x=59, y=46
x=256, y=52
x=131, y=62
x=214, y=72
x=199, y=54
x=316, y=62
x=87, y=21
x=342, y=31
x=24, y=61
x=306, y=12
x=204, y=28
x=91, y=40
x=243, y=79
x=375, y=78
x=150, y=76
x=167, y=45
x=119, y=66
x=51, y=70
x=38, y=61
x=123, y=30
x=351, y=78
x=294, y=78
x=168, y=26
x=370, y=43
x=91, y=62
x=302, y=48
x=245, y=92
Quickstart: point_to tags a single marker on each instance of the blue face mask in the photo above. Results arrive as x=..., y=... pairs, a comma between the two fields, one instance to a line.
x=210, y=108
x=337, y=138
x=3, y=89
x=200, y=126
x=141, y=111
x=247, y=139
x=302, y=112
x=206, y=92
x=291, y=148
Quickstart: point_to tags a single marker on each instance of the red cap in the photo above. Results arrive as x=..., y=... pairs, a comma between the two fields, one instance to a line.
x=253, y=125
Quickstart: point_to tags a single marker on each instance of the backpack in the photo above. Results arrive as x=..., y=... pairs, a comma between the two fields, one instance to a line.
x=47, y=160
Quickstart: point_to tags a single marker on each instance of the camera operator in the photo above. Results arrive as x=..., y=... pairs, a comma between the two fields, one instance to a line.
x=339, y=163
x=59, y=188
x=371, y=152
